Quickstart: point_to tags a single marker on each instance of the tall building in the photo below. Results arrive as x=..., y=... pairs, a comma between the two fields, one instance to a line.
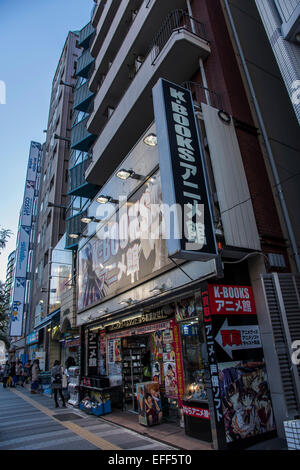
x=168, y=121
x=281, y=19
x=53, y=202
x=23, y=266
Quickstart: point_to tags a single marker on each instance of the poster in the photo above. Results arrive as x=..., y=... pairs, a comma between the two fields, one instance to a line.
x=149, y=403
x=122, y=253
x=170, y=380
x=241, y=395
x=246, y=399
x=157, y=344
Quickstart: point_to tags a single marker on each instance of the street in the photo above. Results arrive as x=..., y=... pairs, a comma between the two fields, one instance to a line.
x=31, y=422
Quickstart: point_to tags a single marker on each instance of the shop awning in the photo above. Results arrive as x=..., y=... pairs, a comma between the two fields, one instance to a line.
x=54, y=316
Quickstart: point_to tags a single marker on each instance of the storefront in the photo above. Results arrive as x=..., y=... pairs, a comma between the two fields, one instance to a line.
x=196, y=362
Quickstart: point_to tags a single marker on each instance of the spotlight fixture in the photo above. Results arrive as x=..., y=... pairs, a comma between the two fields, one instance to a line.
x=105, y=199
x=105, y=310
x=88, y=220
x=160, y=289
x=74, y=235
x=125, y=174
x=129, y=301
x=150, y=140
x=297, y=37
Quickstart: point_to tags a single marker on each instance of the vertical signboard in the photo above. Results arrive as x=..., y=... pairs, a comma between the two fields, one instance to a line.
x=241, y=395
x=183, y=175
x=22, y=251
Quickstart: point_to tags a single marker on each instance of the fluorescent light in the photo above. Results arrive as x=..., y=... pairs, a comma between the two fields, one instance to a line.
x=150, y=140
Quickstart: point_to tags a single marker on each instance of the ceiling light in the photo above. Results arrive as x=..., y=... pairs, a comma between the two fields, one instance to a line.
x=150, y=140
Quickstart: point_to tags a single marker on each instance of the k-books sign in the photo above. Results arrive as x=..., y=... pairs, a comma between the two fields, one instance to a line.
x=183, y=175
x=17, y=307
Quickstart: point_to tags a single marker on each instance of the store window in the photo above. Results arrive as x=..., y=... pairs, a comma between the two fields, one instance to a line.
x=189, y=314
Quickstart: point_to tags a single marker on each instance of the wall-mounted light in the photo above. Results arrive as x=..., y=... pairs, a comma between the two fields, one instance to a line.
x=125, y=174
x=224, y=116
x=102, y=199
x=88, y=220
x=74, y=235
x=129, y=301
x=150, y=140
x=160, y=289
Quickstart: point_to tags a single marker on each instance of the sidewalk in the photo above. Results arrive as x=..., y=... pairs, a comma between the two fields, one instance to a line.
x=166, y=433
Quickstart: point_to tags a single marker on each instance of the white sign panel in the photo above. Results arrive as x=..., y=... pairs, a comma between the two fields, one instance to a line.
x=17, y=307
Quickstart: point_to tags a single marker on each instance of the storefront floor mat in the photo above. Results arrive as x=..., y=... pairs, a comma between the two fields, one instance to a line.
x=67, y=416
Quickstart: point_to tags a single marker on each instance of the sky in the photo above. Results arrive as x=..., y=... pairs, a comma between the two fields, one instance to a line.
x=32, y=36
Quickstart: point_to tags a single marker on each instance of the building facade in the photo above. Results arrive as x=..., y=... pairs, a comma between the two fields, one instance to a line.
x=281, y=19
x=52, y=208
x=144, y=303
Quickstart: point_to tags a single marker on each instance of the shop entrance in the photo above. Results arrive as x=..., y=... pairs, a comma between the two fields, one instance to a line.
x=135, y=368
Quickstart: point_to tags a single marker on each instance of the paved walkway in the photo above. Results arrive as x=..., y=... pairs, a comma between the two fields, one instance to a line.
x=31, y=422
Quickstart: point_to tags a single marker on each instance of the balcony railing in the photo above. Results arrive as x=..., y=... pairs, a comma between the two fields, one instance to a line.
x=178, y=20
x=74, y=225
x=85, y=35
x=81, y=139
x=202, y=94
x=82, y=97
x=84, y=64
x=78, y=186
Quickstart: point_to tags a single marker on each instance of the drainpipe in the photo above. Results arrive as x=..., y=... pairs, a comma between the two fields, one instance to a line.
x=267, y=142
x=201, y=65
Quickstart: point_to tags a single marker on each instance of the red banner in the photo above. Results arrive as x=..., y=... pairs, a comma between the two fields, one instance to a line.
x=196, y=412
x=231, y=300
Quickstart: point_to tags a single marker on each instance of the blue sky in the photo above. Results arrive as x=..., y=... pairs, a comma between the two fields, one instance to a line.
x=32, y=35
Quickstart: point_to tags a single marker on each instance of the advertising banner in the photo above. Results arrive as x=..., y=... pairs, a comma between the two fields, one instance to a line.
x=183, y=173
x=122, y=253
x=23, y=241
x=241, y=394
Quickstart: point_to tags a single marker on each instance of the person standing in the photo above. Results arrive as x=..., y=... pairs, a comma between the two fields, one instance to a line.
x=57, y=383
x=35, y=375
x=27, y=371
x=13, y=374
x=6, y=372
x=19, y=369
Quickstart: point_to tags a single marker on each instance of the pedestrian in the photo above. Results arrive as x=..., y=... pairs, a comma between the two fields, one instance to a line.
x=35, y=375
x=12, y=375
x=57, y=383
x=19, y=368
x=6, y=372
x=26, y=372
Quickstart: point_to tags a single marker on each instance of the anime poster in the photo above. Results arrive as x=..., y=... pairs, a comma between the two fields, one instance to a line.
x=185, y=309
x=157, y=345
x=156, y=372
x=149, y=403
x=170, y=379
x=246, y=399
x=127, y=248
x=117, y=350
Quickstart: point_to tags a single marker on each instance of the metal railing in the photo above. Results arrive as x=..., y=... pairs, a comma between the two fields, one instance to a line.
x=177, y=20
x=202, y=94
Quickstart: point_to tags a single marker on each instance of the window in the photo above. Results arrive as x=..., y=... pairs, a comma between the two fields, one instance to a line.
x=46, y=258
x=49, y=219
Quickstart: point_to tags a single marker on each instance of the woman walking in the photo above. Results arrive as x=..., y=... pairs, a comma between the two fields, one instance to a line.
x=35, y=375
x=6, y=372
x=56, y=383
